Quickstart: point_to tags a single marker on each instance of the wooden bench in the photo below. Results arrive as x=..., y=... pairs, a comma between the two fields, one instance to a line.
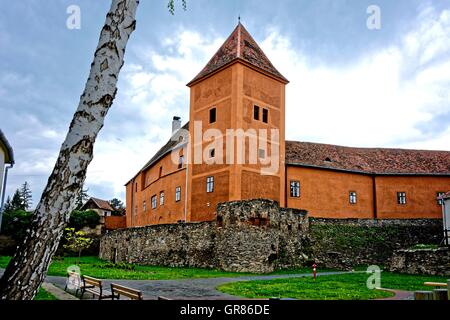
x=118, y=290
x=435, y=284
x=95, y=287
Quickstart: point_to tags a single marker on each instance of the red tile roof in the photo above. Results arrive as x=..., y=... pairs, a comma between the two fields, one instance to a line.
x=368, y=160
x=239, y=46
x=101, y=204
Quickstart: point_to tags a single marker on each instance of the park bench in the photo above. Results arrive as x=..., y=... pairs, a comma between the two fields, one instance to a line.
x=437, y=294
x=95, y=287
x=118, y=290
x=435, y=284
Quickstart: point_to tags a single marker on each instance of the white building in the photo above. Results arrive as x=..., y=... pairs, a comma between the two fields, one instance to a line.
x=445, y=200
x=6, y=162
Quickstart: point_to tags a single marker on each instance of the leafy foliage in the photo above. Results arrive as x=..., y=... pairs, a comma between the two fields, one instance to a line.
x=81, y=219
x=26, y=195
x=15, y=223
x=171, y=6
x=118, y=206
x=81, y=198
x=76, y=241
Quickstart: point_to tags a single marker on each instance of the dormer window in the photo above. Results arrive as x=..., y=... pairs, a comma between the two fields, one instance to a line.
x=212, y=115
x=256, y=112
x=328, y=159
x=265, y=116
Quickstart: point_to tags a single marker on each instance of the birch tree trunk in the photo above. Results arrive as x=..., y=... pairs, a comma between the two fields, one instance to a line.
x=29, y=266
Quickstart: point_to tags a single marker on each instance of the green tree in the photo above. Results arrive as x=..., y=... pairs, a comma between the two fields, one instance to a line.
x=76, y=241
x=8, y=206
x=81, y=219
x=16, y=202
x=27, y=268
x=118, y=206
x=81, y=198
x=26, y=195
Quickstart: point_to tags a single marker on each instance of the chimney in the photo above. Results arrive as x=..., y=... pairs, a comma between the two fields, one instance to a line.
x=176, y=124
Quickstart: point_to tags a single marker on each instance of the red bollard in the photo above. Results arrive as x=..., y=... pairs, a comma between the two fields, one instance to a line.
x=314, y=271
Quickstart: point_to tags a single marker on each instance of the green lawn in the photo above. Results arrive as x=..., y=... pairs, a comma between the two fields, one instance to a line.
x=97, y=268
x=44, y=295
x=333, y=287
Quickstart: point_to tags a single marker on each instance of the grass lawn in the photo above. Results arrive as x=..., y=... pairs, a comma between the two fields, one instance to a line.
x=333, y=287
x=97, y=268
x=44, y=295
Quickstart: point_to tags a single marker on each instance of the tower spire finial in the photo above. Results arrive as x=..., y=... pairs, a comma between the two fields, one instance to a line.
x=239, y=19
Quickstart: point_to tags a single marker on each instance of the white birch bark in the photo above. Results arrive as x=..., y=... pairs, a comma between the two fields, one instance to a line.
x=29, y=266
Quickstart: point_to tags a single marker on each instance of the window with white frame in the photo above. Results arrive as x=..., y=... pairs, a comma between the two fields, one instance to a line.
x=154, y=202
x=295, y=189
x=177, y=194
x=161, y=198
x=352, y=197
x=210, y=184
x=401, y=197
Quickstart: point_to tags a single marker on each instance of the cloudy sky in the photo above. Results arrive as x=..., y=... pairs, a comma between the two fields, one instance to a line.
x=349, y=85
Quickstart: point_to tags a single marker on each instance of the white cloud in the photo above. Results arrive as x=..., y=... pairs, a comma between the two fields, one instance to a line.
x=382, y=99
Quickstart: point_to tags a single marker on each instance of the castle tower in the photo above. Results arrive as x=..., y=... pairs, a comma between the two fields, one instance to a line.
x=238, y=98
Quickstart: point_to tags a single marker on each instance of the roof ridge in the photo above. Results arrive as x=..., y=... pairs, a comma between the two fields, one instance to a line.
x=239, y=45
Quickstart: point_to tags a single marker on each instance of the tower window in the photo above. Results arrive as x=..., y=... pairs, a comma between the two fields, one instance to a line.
x=256, y=112
x=261, y=153
x=352, y=197
x=177, y=194
x=144, y=205
x=265, y=116
x=161, y=198
x=160, y=172
x=295, y=189
x=212, y=115
x=154, y=202
x=438, y=195
x=180, y=162
x=401, y=197
x=212, y=153
x=210, y=184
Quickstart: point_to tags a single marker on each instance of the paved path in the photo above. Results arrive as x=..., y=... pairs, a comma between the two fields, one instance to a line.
x=200, y=289
x=192, y=289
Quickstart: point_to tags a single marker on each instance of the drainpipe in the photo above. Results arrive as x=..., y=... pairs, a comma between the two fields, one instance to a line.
x=374, y=190
x=3, y=193
x=186, y=187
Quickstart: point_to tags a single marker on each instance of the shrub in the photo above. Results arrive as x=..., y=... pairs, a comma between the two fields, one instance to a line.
x=15, y=223
x=81, y=219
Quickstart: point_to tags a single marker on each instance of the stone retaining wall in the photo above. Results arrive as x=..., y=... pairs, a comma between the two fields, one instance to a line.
x=248, y=236
x=421, y=261
x=259, y=236
x=344, y=243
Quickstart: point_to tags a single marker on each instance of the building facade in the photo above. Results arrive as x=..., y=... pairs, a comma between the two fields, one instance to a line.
x=6, y=162
x=234, y=148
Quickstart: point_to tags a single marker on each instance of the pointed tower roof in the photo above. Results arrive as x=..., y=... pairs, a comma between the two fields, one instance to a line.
x=240, y=45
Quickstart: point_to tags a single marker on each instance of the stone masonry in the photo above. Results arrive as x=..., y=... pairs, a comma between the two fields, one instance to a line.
x=247, y=236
